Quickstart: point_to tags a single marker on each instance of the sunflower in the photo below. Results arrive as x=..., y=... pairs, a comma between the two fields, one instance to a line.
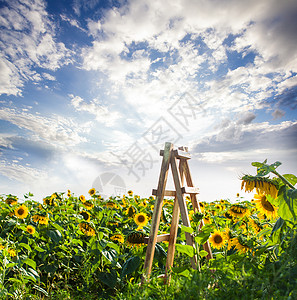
x=255, y=226
x=238, y=211
x=41, y=219
x=130, y=211
x=82, y=198
x=11, y=252
x=118, y=237
x=1, y=246
x=206, y=219
x=110, y=204
x=50, y=201
x=262, y=184
x=141, y=219
x=130, y=193
x=88, y=205
x=85, y=215
x=202, y=206
x=11, y=201
x=92, y=192
x=217, y=239
x=30, y=229
x=265, y=207
x=21, y=212
x=136, y=238
x=86, y=229
x=239, y=245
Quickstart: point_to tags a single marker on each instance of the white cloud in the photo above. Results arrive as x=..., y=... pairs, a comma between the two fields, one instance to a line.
x=27, y=41
x=55, y=130
x=24, y=174
x=102, y=113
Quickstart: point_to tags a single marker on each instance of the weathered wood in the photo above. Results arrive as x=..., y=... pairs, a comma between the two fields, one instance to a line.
x=157, y=210
x=196, y=206
x=166, y=193
x=182, y=206
x=160, y=238
x=190, y=190
x=182, y=154
x=172, y=240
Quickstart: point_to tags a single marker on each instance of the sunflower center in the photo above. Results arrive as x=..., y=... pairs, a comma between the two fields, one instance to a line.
x=21, y=211
x=218, y=239
x=141, y=219
x=266, y=204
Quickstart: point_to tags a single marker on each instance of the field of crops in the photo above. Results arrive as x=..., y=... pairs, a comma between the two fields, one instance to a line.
x=86, y=247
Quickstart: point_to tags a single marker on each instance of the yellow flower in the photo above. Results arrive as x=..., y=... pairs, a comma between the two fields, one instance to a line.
x=11, y=252
x=92, y=191
x=265, y=207
x=136, y=238
x=30, y=229
x=86, y=215
x=11, y=201
x=118, y=237
x=1, y=246
x=240, y=246
x=88, y=205
x=130, y=211
x=41, y=219
x=263, y=185
x=141, y=219
x=86, y=229
x=130, y=193
x=82, y=198
x=217, y=239
x=110, y=204
x=238, y=211
x=21, y=212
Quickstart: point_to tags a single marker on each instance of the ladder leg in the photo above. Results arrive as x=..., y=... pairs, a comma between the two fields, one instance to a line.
x=172, y=240
x=150, y=251
x=183, y=207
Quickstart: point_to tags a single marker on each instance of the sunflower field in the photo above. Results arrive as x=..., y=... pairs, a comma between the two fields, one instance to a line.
x=87, y=247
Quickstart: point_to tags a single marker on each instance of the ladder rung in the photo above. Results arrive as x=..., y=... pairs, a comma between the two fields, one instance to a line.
x=182, y=154
x=190, y=190
x=179, y=154
x=167, y=193
x=160, y=238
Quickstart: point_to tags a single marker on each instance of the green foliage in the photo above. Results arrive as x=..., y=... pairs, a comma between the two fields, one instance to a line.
x=70, y=248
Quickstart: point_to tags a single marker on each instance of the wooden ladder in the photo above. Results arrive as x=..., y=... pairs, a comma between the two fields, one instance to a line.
x=179, y=172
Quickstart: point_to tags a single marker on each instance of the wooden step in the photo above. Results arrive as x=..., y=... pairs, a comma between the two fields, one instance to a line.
x=160, y=238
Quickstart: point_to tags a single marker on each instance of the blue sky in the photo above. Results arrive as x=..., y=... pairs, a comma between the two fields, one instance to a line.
x=91, y=90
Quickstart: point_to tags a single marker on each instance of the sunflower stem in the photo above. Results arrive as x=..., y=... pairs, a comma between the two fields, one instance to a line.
x=283, y=179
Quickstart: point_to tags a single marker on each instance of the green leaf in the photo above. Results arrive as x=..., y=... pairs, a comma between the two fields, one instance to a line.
x=57, y=226
x=202, y=237
x=25, y=246
x=110, y=279
x=40, y=289
x=110, y=255
x=203, y=253
x=291, y=178
x=55, y=235
x=30, y=262
x=51, y=268
x=288, y=204
x=186, y=249
x=39, y=249
x=257, y=164
x=187, y=229
x=130, y=265
x=278, y=224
